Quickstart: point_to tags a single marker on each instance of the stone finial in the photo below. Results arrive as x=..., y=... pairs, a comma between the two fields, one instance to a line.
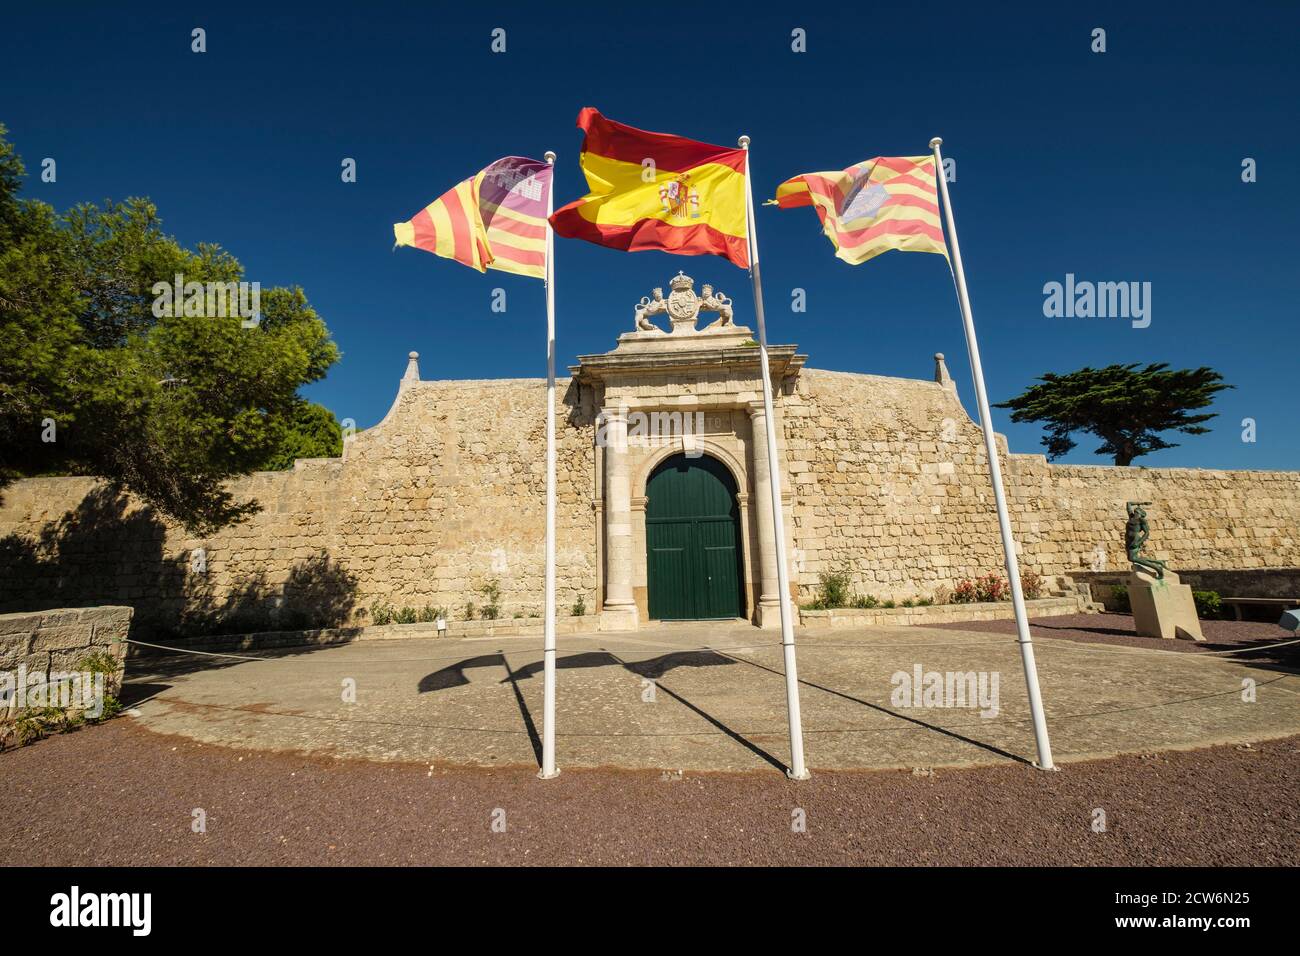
x=412, y=368
x=941, y=372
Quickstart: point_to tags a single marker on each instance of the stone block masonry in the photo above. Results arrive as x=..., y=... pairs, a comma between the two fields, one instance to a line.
x=59, y=640
x=882, y=477
x=890, y=481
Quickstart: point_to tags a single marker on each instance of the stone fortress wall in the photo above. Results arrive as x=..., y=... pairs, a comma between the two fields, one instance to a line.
x=423, y=509
x=885, y=478
x=890, y=481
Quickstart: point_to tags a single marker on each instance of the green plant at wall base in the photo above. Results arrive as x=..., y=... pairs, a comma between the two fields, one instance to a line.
x=888, y=604
x=381, y=613
x=580, y=606
x=835, y=590
x=406, y=615
x=864, y=602
x=101, y=662
x=33, y=723
x=469, y=610
x=908, y=602
x=924, y=602
x=1209, y=606
x=991, y=587
x=1031, y=584
x=964, y=592
x=1119, y=595
x=491, y=591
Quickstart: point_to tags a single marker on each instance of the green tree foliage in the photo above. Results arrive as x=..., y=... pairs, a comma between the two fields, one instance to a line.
x=311, y=431
x=166, y=407
x=1124, y=405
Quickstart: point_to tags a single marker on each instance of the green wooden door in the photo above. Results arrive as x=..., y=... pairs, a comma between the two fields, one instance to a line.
x=693, y=541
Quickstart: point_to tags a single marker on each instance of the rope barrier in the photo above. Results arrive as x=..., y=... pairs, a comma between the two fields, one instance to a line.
x=1065, y=643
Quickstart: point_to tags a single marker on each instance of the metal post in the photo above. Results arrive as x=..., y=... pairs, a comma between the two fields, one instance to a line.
x=797, y=769
x=549, y=769
x=995, y=475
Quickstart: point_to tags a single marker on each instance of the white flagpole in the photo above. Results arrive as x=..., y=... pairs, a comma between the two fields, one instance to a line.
x=797, y=769
x=549, y=769
x=995, y=475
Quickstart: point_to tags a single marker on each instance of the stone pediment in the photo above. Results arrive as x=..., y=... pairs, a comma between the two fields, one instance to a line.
x=682, y=307
x=651, y=348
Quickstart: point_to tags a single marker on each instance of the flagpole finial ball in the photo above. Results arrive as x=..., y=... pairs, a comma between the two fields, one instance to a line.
x=550, y=157
x=413, y=355
x=938, y=356
x=744, y=142
x=937, y=141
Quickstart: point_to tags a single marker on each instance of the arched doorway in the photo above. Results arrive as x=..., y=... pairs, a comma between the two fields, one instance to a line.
x=692, y=525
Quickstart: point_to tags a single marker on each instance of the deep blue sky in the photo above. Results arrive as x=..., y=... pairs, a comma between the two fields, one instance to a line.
x=1117, y=166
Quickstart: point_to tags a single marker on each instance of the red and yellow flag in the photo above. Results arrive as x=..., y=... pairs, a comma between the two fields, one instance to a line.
x=890, y=202
x=495, y=220
x=655, y=191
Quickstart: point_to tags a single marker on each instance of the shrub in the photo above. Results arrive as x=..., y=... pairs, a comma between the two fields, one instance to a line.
x=580, y=606
x=1119, y=594
x=864, y=601
x=406, y=615
x=381, y=612
x=1031, y=584
x=888, y=604
x=491, y=591
x=33, y=723
x=964, y=592
x=469, y=610
x=991, y=587
x=909, y=602
x=102, y=662
x=835, y=590
x=1209, y=606
x=924, y=602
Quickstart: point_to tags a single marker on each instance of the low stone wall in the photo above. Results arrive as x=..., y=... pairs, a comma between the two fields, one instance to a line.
x=58, y=641
x=940, y=613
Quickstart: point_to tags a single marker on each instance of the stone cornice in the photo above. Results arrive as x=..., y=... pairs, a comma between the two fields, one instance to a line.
x=614, y=368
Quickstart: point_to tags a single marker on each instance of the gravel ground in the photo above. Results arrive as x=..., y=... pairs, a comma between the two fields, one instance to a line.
x=118, y=794
x=1111, y=628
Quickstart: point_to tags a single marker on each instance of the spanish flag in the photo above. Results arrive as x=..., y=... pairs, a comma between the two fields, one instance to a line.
x=889, y=202
x=655, y=191
x=494, y=220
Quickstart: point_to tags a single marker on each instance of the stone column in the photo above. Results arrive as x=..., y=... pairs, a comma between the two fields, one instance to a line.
x=619, y=612
x=768, y=612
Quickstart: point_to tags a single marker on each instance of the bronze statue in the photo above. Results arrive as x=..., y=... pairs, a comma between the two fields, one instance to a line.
x=1136, y=533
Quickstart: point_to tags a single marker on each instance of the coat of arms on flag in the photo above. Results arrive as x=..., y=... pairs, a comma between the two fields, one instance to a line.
x=494, y=220
x=656, y=191
x=890, y=202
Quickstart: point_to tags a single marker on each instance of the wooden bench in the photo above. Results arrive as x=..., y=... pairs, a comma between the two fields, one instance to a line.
x=1282, y=604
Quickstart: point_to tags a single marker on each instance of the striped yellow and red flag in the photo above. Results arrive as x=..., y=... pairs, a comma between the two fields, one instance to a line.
x=656, y=191
x=890, y=202
x=494, y=220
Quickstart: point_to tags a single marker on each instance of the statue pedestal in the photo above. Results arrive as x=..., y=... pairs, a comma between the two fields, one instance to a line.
x=1162, y=607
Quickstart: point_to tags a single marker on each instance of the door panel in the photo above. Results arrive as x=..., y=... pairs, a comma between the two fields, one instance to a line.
x=692, y=541
x=716, y=546
x=669, y=568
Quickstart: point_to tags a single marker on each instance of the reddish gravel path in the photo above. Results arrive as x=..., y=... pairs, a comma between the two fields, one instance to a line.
x=117, y=794
x=1110, y=628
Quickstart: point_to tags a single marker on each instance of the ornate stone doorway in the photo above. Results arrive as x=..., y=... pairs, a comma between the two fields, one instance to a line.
x=693, y=540
x=695, y=395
